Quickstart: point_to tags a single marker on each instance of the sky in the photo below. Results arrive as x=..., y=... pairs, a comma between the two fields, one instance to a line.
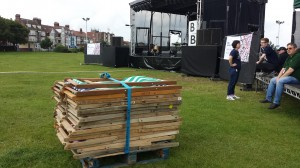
x=281, y=10
x=112, y=15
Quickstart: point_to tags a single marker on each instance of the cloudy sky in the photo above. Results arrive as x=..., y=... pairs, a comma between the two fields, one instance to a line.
x=281, y=10
x=112, y=15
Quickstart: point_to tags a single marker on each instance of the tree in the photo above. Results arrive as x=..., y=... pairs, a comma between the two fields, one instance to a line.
x=12, y=32
x=46, y=43
x=104, y=43
x=18, y=33
x=4, y=31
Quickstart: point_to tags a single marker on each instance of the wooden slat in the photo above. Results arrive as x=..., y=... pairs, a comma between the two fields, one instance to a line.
x=124, y=108
x=84, y=147
x=99, y=154
x=74, y=97
x=67, y=126
x=140, y=98
x=121, y=95
x=153, y=109
x=97, y=130
x=59, y=114
x=116, y=84
x=121, y=134
x=82, y=144
x=115, y=146
x=94, y=79
x=123, y=114
x=121, y=90
x=113, y=128
x=57, y=99
x=122, y=119
x=143, y=102
x=61, y=139
x=63, y=134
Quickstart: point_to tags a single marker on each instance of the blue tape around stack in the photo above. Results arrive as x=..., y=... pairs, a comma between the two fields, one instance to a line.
x=127, y=144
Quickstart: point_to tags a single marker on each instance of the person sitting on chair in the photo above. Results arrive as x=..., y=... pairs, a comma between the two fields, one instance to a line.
x=268, y=61
x=289, y=74
x=282, y=56
x=155, y=50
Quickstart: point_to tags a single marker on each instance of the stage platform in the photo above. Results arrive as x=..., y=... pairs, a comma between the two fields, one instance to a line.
x=156, y=62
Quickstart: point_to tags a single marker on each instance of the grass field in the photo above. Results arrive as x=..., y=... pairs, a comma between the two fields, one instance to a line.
x=215, y=132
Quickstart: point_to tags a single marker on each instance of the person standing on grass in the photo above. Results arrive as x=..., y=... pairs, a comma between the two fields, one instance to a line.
x=234, y=70
x=289, y=74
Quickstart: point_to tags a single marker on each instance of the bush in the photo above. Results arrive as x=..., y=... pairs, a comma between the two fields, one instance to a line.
x=73, y=50
x=61, y=49
x=81, y=49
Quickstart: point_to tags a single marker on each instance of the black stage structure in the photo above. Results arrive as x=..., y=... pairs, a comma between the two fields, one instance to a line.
x=247, y=73
x=91, y=57
x=157, y=21
x=158, y=32
x=296, y=21
x=114, y=55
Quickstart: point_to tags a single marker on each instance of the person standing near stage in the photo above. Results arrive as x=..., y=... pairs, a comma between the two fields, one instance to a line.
x=234, y=69
x=268, y=61
x=289, y=74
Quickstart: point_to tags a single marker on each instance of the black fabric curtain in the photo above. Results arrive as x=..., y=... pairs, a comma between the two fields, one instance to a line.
x=243, y=15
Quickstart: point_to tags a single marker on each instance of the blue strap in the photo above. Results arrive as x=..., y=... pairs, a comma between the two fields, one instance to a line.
x=127, y=144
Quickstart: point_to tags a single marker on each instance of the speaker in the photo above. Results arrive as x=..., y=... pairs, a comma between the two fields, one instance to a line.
x=115, y=56
x=203, y=37
x=210, y=36
x=216, y=36
x=207, y=34
x=200, y=60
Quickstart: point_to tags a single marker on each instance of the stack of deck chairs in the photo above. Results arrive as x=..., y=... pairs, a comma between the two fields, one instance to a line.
x=99, y=117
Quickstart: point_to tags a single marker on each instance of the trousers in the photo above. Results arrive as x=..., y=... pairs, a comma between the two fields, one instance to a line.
x=234, y=76
x=277, y=88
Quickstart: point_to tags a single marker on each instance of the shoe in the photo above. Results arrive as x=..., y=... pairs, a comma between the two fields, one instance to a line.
x=236, y=97
x=273, y=106
x=230, y=98
x=265, y=101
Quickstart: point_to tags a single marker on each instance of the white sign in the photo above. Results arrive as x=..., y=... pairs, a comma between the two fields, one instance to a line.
x=192, y=33
x=245, y=46
x=93, y=49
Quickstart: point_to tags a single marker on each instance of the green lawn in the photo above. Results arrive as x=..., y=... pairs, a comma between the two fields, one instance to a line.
x=215, y=132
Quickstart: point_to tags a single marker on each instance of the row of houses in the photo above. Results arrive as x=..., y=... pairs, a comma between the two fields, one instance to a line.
x=58, y=35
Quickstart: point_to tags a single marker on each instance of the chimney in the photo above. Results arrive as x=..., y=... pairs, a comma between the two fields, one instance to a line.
x=18, y=17
x=37, y=20
x=67, y=26
x=80, y=30
x=56, y=24
x=40, y=21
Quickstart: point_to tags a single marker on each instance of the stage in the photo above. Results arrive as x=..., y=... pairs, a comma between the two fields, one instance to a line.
x=156, y=62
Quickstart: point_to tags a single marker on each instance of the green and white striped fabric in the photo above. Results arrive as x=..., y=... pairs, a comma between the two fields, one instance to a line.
x=296, y=4
x=140, y=79
x=79, y=82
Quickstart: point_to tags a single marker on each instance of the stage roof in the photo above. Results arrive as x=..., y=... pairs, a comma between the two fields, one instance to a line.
x=180, y=7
